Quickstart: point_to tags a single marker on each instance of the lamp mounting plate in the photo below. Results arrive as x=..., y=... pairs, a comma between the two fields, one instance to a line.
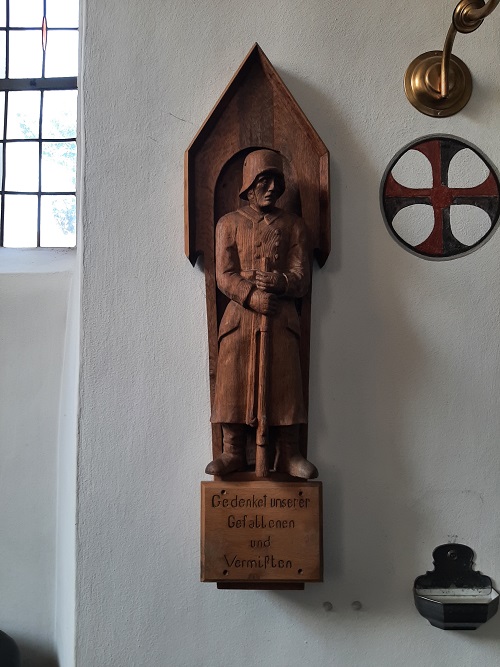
x=422, y=85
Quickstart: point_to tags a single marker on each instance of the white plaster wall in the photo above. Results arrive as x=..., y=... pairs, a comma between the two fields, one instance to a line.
x=66, y=482
x=403, y=423
x=33, y=305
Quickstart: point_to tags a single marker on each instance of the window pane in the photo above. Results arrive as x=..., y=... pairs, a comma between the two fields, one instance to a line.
x=26, y=13
x=59, y=166
x=2, y=109
x=3, y=13
x=57, y=222
x=3, y=51
x=25, y=54
x=62, y=53
x=21, y=167
x=23, y=115
x=59, y=114
x=62, y=13
x=21, y=213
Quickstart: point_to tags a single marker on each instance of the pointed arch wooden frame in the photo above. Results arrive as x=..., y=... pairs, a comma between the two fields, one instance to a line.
x=256, y=110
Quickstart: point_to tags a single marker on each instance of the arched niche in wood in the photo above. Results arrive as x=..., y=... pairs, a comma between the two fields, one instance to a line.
x=255, y=111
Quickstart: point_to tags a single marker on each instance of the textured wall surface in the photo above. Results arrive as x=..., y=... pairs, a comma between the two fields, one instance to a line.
x=66, y=478
x=33, y=309
x=404, y=372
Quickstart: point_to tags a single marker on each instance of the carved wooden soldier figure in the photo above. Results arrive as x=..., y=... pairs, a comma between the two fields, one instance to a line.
x=262, y=266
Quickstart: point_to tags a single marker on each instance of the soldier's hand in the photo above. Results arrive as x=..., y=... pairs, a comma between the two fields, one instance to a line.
x=271, y=281
x=263, y=302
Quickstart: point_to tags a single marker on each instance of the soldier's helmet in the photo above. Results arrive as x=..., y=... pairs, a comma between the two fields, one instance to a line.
x=258, y=162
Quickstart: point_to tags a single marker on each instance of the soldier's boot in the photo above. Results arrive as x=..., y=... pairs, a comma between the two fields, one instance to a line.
x=233, y=456
x=288, y=457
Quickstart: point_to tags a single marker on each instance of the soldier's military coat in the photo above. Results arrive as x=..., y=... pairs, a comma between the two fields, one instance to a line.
x=248, y=241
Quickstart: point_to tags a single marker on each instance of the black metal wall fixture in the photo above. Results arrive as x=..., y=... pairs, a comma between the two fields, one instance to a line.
x=9, y=651
x=453, y=596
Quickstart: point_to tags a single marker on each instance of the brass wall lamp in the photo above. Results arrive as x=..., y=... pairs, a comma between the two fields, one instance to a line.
x=438, y=83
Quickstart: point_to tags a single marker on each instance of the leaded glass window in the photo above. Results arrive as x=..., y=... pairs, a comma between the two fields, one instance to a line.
x=38, y=109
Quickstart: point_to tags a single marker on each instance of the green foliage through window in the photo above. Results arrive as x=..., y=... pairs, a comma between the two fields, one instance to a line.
x=38, y=107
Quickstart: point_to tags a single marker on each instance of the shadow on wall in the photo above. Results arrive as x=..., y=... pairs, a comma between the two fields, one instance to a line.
x=33, y=655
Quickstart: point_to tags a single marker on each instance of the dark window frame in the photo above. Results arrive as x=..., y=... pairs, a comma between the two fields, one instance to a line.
x=41, y=84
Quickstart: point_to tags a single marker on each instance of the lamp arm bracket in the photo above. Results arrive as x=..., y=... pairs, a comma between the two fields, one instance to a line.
x=469, y=14
x=438, y=83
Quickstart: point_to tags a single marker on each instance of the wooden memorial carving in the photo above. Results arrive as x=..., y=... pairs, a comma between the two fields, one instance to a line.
x=257, y=210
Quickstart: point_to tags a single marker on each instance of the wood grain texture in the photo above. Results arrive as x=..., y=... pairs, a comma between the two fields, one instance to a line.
x=261, y=532
x=255, y=111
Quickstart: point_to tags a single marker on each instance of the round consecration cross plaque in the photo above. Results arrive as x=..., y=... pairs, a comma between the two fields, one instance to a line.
x=440, y=197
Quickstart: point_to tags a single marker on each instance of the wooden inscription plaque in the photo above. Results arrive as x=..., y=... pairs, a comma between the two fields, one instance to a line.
x=261, y=532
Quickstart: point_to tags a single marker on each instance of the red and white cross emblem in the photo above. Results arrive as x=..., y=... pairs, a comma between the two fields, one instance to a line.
x=441, y=243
